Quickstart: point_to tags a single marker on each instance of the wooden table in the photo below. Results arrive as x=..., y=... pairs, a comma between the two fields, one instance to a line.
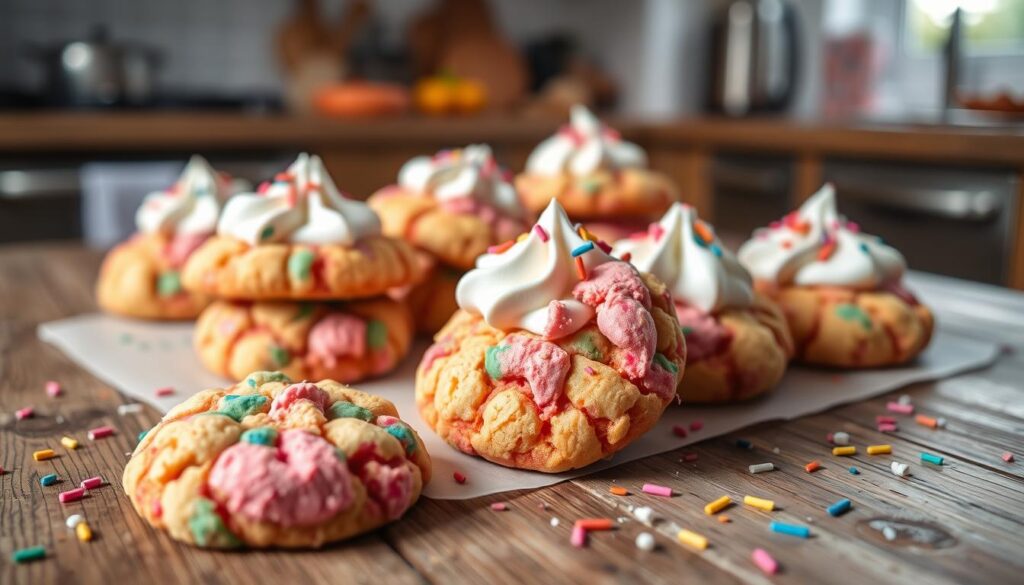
x=970, y=510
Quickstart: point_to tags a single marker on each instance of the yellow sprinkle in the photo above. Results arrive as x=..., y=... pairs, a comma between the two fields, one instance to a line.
x=844, y=450
x=83, y=531
x=766, y=505
x=522, y=236
x=879, y=449
x=44, y=454
x=69, y=443
x=717, y=506
x=693, y=539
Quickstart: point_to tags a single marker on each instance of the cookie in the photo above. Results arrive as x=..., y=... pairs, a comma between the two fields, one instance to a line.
x=272, y=463
x=141, y=277
x=738, y=343
x=594, y=175
x=554, y=361
x=453, y=205
x=839, y=288
x=432, y=300
x=344, y=341
x=299, y=238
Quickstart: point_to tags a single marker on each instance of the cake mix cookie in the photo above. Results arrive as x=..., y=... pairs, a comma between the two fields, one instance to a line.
x=560, y=354
x=271, y=462
x=840, y=290
x=595, y=175
x=344, y=341
x=299, y=238
x=451, y=206
x=738, y=344
x=141, y=277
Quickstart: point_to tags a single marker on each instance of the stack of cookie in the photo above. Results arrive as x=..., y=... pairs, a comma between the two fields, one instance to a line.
x=301, y=273
x=452, y=207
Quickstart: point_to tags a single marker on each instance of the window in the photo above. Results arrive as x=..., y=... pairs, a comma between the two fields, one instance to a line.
x=989, y=26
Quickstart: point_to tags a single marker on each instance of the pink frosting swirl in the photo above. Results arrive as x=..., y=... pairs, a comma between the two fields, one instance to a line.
x=337, y=335
x=301, y=482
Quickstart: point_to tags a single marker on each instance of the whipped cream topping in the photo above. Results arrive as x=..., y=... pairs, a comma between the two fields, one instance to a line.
x=687, y=255
x=582, y=147
x=513, y=289
x=816, y=246
x=191, y=206
x=301, y=206
x=469, y=173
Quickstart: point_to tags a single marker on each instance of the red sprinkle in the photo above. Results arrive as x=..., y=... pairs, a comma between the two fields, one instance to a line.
x=53, y=389
x=589, y=524
x=812, y=467
x=543, y=235
x=626, y=257
x=499, y=506
x=679, y=431
x=71, y=495
x=165, y=391
x=690, y=457
x=696, y=425
x=92, y=483
x=656, y=231
x=100, y=432
x=885, y=420
x=887, y=428
x=900, y=408
x=459, y=478
x=1008, y=457
x=826, y=251
x=23, y=413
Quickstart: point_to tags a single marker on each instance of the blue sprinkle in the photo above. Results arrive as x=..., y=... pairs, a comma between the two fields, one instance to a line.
x=716, y=250
x=699, y=241
x=49, y=479
x=839, y=508
x=933, y=459
x=864, y=247
x=791, y=529
x=583, y=249
x=854, y=471
x=744, y=444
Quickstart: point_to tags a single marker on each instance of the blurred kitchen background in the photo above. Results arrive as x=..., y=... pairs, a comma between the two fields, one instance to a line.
x=914, y=109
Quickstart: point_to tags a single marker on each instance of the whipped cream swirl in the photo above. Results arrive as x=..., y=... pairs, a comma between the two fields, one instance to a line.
x=469, y=173
x=301, y=206
x=583, y=147
x=815, y=246
x=687, y=255
x=191, y=206
x=513, y=289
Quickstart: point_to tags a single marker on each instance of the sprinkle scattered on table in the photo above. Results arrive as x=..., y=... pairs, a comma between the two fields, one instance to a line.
x=23, y=413
x=83, y=532
x=879, y=449
x=48, y=479
x=690, y=538
x=71, y=495
x=854, y=471
x=657, y=490
x=459, y=478
x=712, y=508
x=679, y=431
x=841, y=439
x=69, y=443
x=645, y=541
x=592, y=524
x=130, y=408
x=900, y=408
x=933, y=459
x=760, y=503
x=744, y=444
x=790, y=529
x=761, y=468
x=100, y=432
x=499, y=506
x=887, y=428
x=26, y=555
x=900, y=469
x=844, y=451
x=73, y=520
x=812, y=467
x=839, y=508
x=578, y=538
x=765, y=561
x=926, y=421
x=618, y=491
x=1008, y=457
x=644, y=514
x=43, y=454
x=696, y=425
x=92, y=483
x=53, y=388
x=165, y=391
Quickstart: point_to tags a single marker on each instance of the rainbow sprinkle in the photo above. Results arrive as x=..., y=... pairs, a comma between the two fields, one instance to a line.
x=581, y=269
x=582, y=249
x=543, y=235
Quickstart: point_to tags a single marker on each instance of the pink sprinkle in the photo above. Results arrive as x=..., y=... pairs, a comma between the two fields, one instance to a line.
x=543, y=235
x=690, y=457
x=165, y=391
x=828, y=437
x=679, y=431
x=696, y=425
x=885, y=420
x=853, y=227
x=71, y=495
x=1008, y=457
x=764, y=561
x=887, y=428
x=23, y=413
x=459, y=478
x=657, y=490
x=158, y=509
x=53, y=389
x=900, y=408
x=499, y=506
x=578, y=537
x=589, y=370
x=92, y=483
x=656, y=231
x=100, y=433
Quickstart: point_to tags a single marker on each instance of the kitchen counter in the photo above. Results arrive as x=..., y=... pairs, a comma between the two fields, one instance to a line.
x=973, y=500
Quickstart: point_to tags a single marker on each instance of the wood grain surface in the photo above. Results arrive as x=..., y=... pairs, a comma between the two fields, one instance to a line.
x=958, y=523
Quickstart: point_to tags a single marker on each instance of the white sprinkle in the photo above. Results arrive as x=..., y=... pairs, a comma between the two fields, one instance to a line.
x=761, y=467
x=621, y=519
x=905, y=399
x=73, y=520
x=133, y=408
x=644, y=514
x=940, y=422
x=889, y=533
x=899, y=469
x=59, y=419
x=554, y=521
x=776, y=450
x=645, y=541
x=809, y=520
x=841, y=438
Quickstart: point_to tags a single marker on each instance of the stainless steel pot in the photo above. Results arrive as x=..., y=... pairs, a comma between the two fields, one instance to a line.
x=98, y=72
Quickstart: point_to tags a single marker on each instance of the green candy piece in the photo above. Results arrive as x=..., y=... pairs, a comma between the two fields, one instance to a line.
x=207, y=527
x=403, y=433
x=376, y=334
x=266, y=436
x=260, y=378
x=491, y=361
x=686, y=330
x=305, y=310
x=300, y=263
x=665, y=363
x=143, y=434
x=279, y=355
x=267, y=232
x=853, y=313
x=168, y=283
x=343, y=409
x=584, y=345
x=240, y=406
